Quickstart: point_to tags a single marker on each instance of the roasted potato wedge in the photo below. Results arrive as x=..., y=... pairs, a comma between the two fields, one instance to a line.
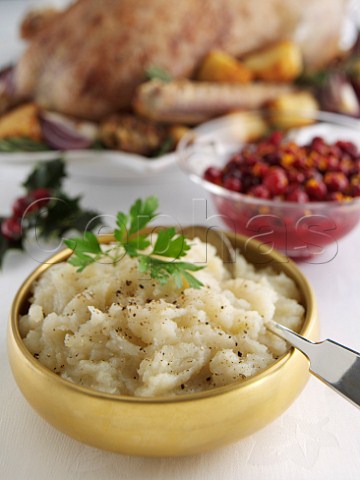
x=176, y=132
x=281, y=62
x=21, y=122
x=218, y=66
x=293, y=110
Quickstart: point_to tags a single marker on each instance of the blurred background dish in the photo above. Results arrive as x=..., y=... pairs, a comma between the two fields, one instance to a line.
x=154, y=83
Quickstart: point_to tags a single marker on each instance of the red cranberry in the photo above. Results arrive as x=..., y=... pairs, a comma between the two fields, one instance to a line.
x=335, y=197
x=213, y=175
x=249, y=181
x=355, y=190
x=336, y=181
x=313, y=174
x=275, y=138
x=297, y=194
x=259, y=191
x=346, y=165
x=232, y=183
x=251, y=160
x=276, y=181
x=260, y=169
x=318, y=145
x=332, y=163
x=273, y=159
x=316, y=189
x=295, y=176
x=347, y=147
x=355, y=168
x=11, y=229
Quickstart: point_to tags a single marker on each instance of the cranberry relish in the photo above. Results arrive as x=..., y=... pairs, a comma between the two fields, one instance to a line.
x=278, y=169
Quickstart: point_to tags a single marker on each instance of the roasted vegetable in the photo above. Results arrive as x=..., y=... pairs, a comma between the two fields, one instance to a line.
x=218, y=66
x=6, y=89
x=21, y=122
x=132, y=134
x=281, y=62
x=189, y=102
x=337, y=94
x=62, y=133
x=293, y=110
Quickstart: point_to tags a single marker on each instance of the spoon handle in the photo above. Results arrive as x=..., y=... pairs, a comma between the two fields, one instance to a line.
x=331, y=362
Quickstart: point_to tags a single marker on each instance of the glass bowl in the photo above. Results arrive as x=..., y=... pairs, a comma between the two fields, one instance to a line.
x=164, y=426
x=298, y=230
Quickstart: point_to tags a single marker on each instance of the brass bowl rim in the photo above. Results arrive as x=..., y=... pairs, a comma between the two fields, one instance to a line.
x=23, y=294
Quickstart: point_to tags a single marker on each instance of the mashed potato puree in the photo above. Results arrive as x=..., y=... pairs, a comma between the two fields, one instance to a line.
x=110, y=329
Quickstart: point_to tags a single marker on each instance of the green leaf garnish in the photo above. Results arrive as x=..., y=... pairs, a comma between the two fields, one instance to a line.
x=159, y=261
x=157, y=73
x=59, y=214
x=46, y=175
x=22, y=144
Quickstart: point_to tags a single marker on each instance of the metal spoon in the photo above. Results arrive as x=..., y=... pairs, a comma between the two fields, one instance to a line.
x=334, y=364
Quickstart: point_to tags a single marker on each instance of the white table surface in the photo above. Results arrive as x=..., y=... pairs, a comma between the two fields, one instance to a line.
x=318, y=437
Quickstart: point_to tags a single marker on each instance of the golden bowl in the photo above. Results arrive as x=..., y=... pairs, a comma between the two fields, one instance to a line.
x=164, y=426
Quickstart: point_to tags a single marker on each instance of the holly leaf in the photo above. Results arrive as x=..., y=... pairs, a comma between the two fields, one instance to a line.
x=46, y=175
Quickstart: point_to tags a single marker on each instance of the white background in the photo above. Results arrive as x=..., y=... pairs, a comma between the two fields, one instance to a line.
x=318, y=437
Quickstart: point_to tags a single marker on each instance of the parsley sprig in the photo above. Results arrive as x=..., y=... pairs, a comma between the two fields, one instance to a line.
x=160, y=260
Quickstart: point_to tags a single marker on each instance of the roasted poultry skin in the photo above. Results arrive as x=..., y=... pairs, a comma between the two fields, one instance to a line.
x=89, y=62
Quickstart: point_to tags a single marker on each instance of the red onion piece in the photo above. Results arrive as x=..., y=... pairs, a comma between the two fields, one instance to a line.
x=7, y=79
x=63, y=134
x=7, y=98
x=338, y=95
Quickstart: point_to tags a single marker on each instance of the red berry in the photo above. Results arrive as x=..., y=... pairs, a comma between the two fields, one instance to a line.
x=259, y=191
x=336, y=181
x=297, y=194
x=19, y=206
x=232, y=183
x=347, y=147
x=276, y=181
x=295, y=176
x=213, y=175
x=260, y=169
x=316, y=189
x=335, y=197
x=355, y=190
x=332, y=163
x=41, y=196
x=319, y=146
x=276, y=138
x=11, y=229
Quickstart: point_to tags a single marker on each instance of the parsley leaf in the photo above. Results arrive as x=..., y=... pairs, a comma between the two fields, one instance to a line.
x=87, y=249
x=161, y=271
x=141, y=213
x=168, y=246
x=130, y=239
